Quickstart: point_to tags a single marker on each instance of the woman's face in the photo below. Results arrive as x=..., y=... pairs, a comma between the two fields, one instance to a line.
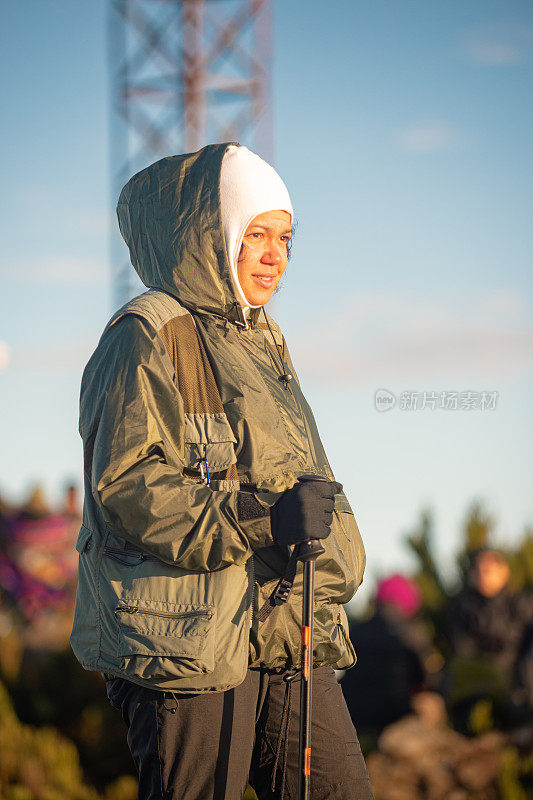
x=263, y=257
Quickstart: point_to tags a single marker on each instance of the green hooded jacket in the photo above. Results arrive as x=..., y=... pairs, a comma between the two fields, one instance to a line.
x=171, y=570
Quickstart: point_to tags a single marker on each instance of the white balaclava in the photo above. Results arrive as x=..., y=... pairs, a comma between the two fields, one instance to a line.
x=248, y=187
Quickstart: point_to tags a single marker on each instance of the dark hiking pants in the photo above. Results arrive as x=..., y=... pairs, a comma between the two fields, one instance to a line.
x=207, y=746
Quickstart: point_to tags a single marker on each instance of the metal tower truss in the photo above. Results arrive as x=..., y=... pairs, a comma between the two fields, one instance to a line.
x=184, y=73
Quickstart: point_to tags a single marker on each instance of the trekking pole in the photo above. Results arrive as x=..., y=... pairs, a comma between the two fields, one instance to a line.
x=307, y=553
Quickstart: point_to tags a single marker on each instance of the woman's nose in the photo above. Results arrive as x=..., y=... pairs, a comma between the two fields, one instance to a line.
x=272, y=254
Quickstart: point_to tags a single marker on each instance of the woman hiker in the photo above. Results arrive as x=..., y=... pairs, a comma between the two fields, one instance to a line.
x=195, y=434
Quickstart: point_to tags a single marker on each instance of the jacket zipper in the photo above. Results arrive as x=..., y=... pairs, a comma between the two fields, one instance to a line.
x=299, y=408
x=164, y=614
x=310, y=443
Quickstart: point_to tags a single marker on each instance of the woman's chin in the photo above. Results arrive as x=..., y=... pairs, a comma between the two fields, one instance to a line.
x=259, y=298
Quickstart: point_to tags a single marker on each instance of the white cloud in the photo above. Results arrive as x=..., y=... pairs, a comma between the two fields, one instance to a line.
x=63, y=270
x=499, y=44
x=431, y=137
x=34, y=197
x=54, y=357
x=46, y=208
x=382, y=336
x=92, y=223
x=495, y=53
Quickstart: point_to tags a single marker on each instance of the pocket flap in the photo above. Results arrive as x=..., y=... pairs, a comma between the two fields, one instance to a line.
x=208, y=428
x=83, y=542
x=154, y=628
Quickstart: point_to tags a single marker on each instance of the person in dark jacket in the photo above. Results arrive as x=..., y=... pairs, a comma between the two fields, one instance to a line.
x=490, y=632
x=390, y=666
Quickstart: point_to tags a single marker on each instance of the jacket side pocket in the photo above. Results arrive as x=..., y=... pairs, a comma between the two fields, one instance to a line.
x=84, y=541
x=162, y=640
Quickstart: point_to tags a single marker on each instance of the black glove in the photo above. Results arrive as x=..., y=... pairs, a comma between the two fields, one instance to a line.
x=304, y=512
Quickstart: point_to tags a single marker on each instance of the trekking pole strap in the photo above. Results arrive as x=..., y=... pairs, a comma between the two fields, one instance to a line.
x=281, y=593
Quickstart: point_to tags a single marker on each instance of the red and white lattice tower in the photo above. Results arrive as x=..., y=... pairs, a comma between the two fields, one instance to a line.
x=184, y=73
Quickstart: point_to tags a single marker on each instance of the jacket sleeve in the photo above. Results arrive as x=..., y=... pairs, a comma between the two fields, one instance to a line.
x=132, y=413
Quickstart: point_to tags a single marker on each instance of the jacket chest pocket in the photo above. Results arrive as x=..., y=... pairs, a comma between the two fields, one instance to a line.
x=208, y=438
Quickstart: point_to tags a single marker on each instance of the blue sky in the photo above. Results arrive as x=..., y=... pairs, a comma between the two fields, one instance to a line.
x=403, y=131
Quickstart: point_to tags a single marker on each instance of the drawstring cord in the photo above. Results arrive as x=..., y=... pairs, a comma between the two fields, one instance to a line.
x=283, y=736
x=285, y=375
x=171, y=708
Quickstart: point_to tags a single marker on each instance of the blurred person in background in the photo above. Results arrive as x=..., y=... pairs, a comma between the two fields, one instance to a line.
x=196, y=434
x=490, y=633
x=392, y=648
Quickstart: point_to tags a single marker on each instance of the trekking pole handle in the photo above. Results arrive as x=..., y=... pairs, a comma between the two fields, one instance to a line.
x=312, y=548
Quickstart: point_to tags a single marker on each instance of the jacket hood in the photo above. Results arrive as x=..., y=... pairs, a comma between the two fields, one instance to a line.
x=169, y=216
